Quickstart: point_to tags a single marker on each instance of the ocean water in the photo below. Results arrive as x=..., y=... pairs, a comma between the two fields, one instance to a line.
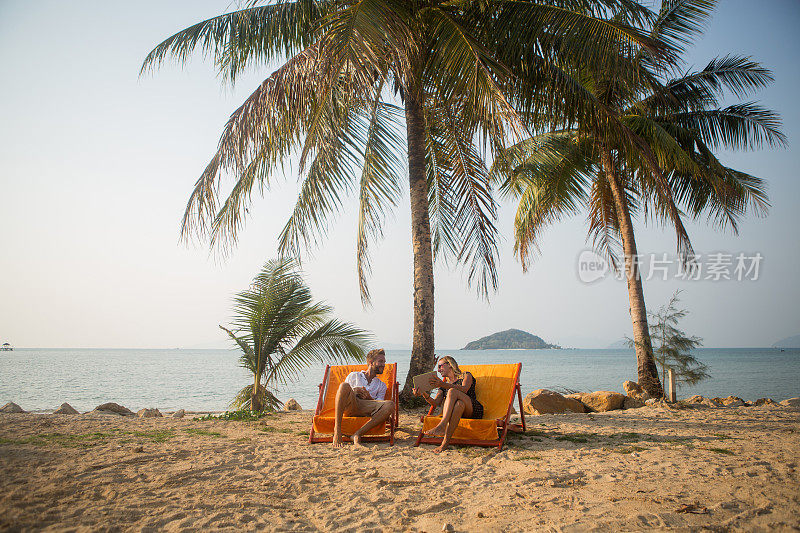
x=207, y=380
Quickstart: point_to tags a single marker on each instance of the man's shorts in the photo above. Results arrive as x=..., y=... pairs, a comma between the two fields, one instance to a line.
x=360, y=407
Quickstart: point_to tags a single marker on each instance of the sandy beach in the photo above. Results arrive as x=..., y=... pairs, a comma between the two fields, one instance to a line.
x=724, y=469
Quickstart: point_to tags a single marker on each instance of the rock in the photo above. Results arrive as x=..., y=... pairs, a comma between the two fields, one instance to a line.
x=603, y=400
x=791, y=402
x=138, y=449
x=634, y=390
x=66, y=409
x=115, y=408
x=543, y=401
x=180, y=413
x=733, y=401
x=149, y=413
x=632, y=402
x=11, y=407
x=448, y=527
x=695, y=399
x=764, y=401
x=292, y=405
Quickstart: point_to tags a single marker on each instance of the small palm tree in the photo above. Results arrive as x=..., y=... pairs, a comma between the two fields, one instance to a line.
x=281, y=330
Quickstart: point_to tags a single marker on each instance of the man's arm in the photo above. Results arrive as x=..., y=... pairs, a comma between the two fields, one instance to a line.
x=354, y=380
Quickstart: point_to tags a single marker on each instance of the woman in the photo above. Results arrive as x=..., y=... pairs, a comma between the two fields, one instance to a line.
x=457, y=391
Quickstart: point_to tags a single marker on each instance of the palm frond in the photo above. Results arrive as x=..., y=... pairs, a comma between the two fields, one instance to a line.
x=243, y=38
x=333, y=341
x=379, y=187
x=746, y=126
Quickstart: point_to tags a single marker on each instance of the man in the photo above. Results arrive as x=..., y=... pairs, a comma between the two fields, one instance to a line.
x=362, y=394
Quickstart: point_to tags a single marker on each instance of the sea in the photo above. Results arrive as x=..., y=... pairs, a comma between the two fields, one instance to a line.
x=39, y=380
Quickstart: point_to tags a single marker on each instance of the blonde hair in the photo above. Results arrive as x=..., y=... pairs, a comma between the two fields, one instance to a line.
x=452, y=362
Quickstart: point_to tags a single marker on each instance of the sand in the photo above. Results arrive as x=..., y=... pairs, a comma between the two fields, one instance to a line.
x=734, y=468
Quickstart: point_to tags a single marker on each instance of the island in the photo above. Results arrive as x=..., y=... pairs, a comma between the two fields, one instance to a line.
x=511, y=339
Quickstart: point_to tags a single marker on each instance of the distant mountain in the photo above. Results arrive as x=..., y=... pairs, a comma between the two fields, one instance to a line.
x=509, y=340
x=788, y=342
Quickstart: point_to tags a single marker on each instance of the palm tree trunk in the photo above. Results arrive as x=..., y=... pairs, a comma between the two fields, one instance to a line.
x=422, y=355
x=255, y=402
x=646, y=365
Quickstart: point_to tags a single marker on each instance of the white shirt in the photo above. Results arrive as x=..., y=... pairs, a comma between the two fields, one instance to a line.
x=376, y=388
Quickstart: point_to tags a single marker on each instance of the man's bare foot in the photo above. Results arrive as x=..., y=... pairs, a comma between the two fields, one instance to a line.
x=441, y=448
x=438, y=431
x=337, y=439
x=357, y=441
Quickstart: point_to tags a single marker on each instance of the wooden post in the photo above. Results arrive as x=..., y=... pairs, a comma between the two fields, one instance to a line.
x=673, y=393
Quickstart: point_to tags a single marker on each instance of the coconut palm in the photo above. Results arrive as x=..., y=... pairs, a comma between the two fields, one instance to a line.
x=281, y=330
x=645, y=146
x=356, y=72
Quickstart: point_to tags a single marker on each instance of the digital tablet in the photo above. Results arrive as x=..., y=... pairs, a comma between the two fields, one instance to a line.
x=423, y=382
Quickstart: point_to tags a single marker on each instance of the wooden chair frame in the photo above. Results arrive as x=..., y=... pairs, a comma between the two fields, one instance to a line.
x=392, y=421
x=503, y=424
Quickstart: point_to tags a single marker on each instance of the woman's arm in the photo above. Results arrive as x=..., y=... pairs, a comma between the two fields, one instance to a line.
x=466, y=383
x=427, y=397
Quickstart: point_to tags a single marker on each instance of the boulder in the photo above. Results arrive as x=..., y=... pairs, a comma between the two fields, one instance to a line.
x=292, y=405
x=11, y=407
x=632, y=402
x=634, y=390
x=603, y=400
x=66, y=409
x=695, y=399
x=764, y=401
x=791, y=402
x=543, y=401
x=114, y=408
x=149, y=413
x=180, y=413
x=733, y=401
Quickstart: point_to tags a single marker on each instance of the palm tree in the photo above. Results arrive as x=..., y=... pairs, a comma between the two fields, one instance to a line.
x=645, y=146
x=281, y=330
x=334, y=104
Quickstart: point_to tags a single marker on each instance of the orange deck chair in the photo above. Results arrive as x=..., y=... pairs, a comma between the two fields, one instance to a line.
x=324, y=418
x=496, y=386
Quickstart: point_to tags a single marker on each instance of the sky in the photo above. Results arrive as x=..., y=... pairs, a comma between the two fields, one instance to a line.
x=98, y=163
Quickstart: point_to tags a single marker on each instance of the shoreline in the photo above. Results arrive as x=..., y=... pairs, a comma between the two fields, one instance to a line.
x=732, y=468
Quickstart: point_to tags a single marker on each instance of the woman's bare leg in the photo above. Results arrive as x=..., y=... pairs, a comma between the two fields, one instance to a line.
x=458, y=409
x=447, y=411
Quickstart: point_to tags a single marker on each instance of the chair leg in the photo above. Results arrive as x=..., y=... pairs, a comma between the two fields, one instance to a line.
x=521, y=410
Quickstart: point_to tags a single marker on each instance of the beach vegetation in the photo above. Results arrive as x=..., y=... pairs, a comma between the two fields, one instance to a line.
x=68, y=440
x=460, y=76
x=245, y=415
x=526, y=457
x=281, y=330
x=644, y=146
x=628, y=449
x=272, y=429
x=157, y=435
x=204, y=432
x=577, y=437
x=673, y=347
x=723, y=451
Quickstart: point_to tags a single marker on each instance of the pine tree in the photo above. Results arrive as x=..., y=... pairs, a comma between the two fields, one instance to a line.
x=673, y=347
